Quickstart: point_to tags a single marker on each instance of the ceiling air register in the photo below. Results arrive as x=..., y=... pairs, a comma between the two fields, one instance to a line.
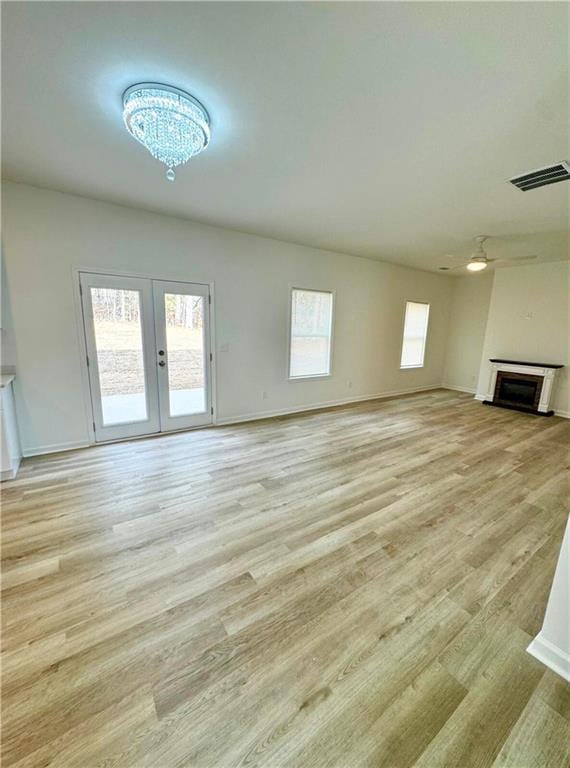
x=550, y=174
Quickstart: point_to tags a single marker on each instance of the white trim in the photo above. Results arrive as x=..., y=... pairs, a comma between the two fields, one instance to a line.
x=214, y=351
x=60, y=447
x=326, y=404
x=148, y=275
x=56, y=448
x=562, y=414
x=10, y=474
x=82, y=345
x=553, y=657
x=310, y=376
x=469, y=390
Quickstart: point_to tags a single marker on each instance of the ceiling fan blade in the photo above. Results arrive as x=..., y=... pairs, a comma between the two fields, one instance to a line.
x=455, y=266
x=514, y=259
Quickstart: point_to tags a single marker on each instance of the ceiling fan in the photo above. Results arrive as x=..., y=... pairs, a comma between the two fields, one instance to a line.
x=479, y=259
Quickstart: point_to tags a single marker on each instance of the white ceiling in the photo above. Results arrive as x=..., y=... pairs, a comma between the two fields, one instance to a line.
x=385, y=130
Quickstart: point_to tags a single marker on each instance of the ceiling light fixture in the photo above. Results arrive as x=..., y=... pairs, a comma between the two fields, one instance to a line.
x=480, y=261
x=170, y=123
x=476, y=266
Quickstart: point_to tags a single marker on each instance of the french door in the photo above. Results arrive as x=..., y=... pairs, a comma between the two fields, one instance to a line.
x=148, y=354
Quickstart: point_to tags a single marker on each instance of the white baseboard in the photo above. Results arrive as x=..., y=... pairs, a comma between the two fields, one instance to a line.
x=320, y=406
x=71, y=446
x=553, y=657
x=10, y=474
x=469, y=390
x=55, y=448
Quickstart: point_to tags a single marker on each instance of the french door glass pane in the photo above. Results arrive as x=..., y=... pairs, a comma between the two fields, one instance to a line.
x=185, y=349
x=118, y=340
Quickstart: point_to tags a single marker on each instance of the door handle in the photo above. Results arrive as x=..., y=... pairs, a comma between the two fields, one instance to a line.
x=161, y=363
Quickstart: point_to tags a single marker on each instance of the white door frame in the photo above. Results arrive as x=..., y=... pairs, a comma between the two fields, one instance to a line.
x=122, y=430
x=75, y=272
x=170, y=423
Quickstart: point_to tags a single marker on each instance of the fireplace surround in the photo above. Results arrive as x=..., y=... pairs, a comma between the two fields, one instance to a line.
x=521, y=385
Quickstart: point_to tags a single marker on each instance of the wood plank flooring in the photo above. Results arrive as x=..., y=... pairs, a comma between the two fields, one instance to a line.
x=345, y=588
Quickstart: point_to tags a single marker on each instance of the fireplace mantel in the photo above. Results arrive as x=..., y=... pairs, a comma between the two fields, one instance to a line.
x=542, y=374
x=523, y=362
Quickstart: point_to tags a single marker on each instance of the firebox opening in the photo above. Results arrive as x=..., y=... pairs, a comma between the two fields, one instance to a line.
x=518, y=390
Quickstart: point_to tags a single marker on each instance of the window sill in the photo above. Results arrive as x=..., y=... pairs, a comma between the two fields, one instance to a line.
x=408, y=367
x=309, y=377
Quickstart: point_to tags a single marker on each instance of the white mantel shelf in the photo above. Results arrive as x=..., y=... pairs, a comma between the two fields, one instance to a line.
x=525, y=363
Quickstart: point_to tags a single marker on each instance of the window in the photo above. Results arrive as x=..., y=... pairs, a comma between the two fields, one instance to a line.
x=311, y=325
x=415, y=334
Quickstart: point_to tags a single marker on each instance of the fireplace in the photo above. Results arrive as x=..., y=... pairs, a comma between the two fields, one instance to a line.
x=522, y=389
x=521, y=385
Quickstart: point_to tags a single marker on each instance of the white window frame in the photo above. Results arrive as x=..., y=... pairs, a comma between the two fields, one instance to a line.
x=310, y=376
x=417, y=365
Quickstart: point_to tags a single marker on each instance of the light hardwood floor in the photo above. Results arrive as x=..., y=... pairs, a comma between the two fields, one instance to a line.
x=352, y=587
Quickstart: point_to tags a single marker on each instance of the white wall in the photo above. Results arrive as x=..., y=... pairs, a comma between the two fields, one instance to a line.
x=469, y=308
x=528, y=320
x=552, y=644
x=6, y=338
x=47, y=233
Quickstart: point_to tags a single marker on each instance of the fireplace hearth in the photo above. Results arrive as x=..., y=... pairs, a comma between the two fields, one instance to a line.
x=521, y=386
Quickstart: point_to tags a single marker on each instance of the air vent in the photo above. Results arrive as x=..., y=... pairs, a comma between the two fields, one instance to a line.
x=542, y=176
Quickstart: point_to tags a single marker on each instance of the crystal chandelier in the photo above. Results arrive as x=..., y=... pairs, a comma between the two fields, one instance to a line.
x=170, y=123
